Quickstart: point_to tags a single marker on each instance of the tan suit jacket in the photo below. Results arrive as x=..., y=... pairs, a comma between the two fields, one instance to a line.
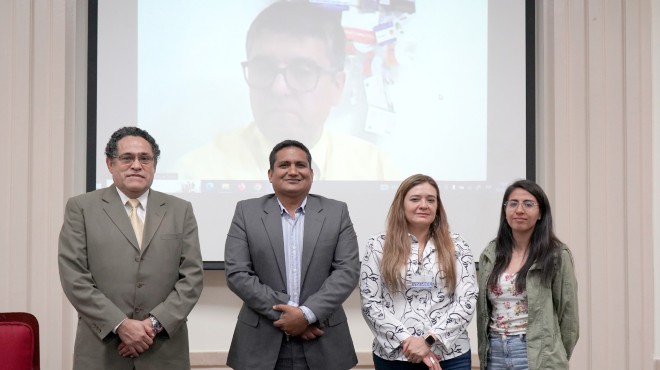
x=256, y=271
x=108, y=278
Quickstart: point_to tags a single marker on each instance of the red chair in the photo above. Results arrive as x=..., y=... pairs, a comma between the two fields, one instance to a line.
x=19, y=341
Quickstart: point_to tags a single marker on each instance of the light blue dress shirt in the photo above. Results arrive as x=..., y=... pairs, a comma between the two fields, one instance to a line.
x=293, y=227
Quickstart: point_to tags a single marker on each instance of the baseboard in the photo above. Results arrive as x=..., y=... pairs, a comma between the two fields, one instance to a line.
x=218, y=359
x=201, y=360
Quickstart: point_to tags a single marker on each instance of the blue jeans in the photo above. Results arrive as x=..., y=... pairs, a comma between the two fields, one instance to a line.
x=462, y=362
x=507, y=352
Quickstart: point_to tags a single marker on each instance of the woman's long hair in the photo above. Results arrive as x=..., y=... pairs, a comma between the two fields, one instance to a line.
x=397, y=246
x=543, y=244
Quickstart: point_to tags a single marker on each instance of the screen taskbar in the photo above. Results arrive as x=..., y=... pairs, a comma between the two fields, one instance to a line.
x=261, y=187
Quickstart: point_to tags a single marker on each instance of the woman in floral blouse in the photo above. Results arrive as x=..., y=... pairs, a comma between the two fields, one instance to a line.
x=527, y=315
x=418, y=285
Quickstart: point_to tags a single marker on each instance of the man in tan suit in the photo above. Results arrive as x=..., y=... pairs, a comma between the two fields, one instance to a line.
x=132, y=293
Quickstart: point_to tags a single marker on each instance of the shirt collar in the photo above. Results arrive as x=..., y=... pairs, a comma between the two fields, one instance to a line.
x=142, y=198
x=300, y=208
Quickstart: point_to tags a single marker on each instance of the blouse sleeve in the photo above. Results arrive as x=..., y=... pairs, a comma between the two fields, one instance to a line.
x=387, y=329
x=454, y=319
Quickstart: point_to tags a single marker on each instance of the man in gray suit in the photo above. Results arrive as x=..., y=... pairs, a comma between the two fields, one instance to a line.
x=292, y=257
x=133, y=272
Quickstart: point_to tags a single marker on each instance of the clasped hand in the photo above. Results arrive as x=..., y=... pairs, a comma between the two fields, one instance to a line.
x=292, y=322
x=136, y=337
x=416, y=350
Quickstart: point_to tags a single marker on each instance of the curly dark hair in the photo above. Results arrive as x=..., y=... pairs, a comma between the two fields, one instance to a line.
x=111, y=147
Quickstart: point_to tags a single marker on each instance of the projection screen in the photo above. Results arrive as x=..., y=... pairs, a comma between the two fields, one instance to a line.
x=440, y=87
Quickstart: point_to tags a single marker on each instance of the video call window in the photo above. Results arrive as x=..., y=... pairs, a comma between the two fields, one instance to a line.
x=427, y=86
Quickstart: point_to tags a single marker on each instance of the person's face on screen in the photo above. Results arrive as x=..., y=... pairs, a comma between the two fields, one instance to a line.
x=134, y=178
x=291, y=175
x=522, y=211
x=281, y=110
x=420, y=206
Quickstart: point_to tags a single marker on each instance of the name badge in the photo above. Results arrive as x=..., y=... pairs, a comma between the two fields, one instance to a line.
x=421, y=281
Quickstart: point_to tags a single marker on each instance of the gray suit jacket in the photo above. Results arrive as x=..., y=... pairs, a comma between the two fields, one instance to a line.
x=108, y=278
x=256, y=272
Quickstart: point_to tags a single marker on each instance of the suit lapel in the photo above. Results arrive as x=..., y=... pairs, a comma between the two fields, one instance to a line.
x=272, y=220
x=314, y=219
x=113, y=207
x=156, y=209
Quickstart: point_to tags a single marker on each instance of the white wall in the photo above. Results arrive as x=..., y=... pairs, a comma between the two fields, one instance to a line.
x=596, y=164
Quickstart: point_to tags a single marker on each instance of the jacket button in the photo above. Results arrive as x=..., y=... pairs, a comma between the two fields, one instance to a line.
x=137, y=259
x=140, y=284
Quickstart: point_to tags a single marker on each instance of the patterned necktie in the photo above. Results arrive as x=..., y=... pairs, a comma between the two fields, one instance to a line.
x=136, y=222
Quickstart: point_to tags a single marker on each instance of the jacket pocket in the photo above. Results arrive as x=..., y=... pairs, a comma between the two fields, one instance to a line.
x=335, y=319
x=248, y=317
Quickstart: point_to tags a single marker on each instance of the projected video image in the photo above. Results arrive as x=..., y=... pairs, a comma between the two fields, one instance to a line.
x=406, y=93
x=428, y=86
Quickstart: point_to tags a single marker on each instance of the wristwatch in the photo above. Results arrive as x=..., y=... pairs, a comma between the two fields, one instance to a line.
x=156, y=324
x=430, y=339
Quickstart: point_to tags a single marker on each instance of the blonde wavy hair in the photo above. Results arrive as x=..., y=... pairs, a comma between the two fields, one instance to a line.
x=397, y=246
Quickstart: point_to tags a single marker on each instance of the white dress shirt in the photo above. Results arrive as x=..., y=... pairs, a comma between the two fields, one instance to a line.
x=293, y=230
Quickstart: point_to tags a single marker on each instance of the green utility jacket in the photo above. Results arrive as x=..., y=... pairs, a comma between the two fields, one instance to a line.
x=553, y=326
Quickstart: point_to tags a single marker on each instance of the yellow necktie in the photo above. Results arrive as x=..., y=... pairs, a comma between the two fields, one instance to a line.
x=136, y=222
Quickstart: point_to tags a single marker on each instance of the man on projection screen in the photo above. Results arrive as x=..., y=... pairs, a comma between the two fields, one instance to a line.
x=295, y=73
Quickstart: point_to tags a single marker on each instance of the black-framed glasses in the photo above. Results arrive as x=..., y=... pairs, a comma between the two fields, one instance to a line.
x=127, y=159
x=299, y=75
x=513, y=204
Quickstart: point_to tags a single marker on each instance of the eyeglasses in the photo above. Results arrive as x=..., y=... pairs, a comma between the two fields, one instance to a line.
x=127, y=159
x=513, y=204
x=299, y=75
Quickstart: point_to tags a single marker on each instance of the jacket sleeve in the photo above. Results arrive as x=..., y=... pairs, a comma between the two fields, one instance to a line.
x=241, y=276
x=174, y=310
x=343, y=275
x=99, y=312
x=565, y=300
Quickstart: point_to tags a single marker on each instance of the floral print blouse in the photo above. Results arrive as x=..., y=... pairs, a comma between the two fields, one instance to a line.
x=509, y=313
x=394, y=316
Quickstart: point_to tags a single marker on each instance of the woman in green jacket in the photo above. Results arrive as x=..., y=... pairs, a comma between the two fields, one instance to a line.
x=527, y=312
